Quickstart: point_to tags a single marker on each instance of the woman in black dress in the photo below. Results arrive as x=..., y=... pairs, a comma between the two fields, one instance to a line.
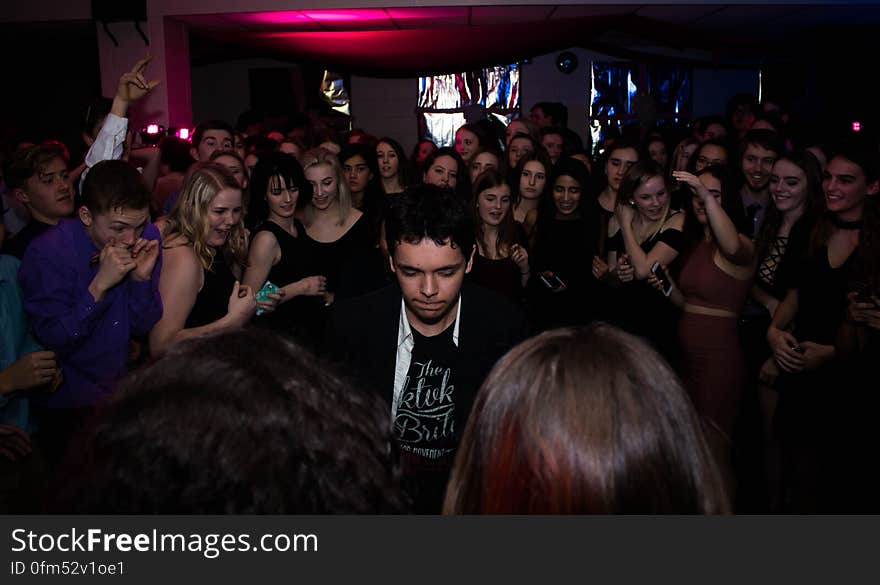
x=815, y=409
x=565, y=292
x=277, y=254
x=643, y=232
x=501, y=262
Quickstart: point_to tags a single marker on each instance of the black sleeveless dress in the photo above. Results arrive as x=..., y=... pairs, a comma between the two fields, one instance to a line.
x=212, y=302
x=290, y=318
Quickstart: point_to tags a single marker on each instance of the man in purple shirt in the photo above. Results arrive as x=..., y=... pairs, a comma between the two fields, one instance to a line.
x=89, y=285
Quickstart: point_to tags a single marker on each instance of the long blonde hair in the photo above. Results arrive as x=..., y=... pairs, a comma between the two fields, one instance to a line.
x=188, y=220
x=319, y=156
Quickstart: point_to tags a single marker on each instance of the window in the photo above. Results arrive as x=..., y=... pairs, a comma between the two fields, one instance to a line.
x=627, y=93
x=444, y=100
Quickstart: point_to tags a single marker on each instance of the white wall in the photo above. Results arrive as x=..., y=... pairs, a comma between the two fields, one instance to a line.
x=386, y=107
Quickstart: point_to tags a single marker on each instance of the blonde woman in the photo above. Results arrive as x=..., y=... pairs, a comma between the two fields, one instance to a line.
x=643, y=232
x=336, y=234
x=204, y=249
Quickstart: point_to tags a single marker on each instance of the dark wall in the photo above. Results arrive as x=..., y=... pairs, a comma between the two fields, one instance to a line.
x=51, y=72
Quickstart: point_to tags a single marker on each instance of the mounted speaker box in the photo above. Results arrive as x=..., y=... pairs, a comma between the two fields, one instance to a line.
x=119, y=11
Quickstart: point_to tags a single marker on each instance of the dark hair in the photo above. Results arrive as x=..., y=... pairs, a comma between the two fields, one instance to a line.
x=731, y=203
x=363, y=137
x=114, y=184
x=270, y=166
x=200, y=130
x=365, y=151
x=175, y=153
x=26, y=162
x=507, y=232
x=813, y=206
x=241, y=422
x=692, y=163
x=515, y=177
x=554, y=110
x=476, y=130
x=766, y=139
x=463, y=177
x=565, y=167
x=258, y=143
x=552, y=130
x=427, y=211
x=862, y=151
x=403, y=169
x=584, y=421
x=707, y=121
x=97, y=110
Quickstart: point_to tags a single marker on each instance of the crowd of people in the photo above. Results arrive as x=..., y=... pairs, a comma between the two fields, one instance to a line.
x=284, y=320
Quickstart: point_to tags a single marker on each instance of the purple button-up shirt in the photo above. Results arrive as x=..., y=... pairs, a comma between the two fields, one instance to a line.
x=90, y=338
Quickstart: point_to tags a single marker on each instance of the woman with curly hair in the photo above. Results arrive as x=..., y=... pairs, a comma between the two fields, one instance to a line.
x=204, y=251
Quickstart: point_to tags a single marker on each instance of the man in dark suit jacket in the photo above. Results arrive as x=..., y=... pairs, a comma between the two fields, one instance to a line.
x=427, y=342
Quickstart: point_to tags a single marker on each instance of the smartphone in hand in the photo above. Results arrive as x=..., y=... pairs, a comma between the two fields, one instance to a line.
x=661, y=275
x=267, y=289
x=552, y=282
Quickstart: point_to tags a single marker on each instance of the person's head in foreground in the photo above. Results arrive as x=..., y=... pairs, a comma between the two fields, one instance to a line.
x=583, y=421
x=243, y=422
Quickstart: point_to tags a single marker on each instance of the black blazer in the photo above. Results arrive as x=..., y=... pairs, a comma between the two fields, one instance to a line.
x=362, y=338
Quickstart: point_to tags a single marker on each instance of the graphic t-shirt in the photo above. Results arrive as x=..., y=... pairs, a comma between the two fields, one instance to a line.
x=424, y=426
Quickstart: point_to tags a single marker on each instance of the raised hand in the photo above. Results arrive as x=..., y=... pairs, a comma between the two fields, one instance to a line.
x=133, y=85
x=693, y=182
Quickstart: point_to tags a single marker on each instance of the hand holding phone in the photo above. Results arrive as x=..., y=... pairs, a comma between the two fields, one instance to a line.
x=262, y=295
x=552, y=282
x=660, y=273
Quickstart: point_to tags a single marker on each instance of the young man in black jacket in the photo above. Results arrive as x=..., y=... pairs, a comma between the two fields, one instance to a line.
x=427, y=342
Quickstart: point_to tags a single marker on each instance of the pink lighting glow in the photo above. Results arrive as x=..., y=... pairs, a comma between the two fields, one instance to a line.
x=345, y=15
x=287, y=17
x=857, y=126
x=152, y=129
x=183, y=133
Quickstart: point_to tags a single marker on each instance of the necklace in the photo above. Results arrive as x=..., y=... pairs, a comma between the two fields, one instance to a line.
x=846, y=225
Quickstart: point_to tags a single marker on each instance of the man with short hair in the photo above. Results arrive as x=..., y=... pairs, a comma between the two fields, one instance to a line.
x=553, y=141
x=208, y=137
x=38, y=178
x=545, y=114
x=89, y=284
x=758, y=151
x=427, y=342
